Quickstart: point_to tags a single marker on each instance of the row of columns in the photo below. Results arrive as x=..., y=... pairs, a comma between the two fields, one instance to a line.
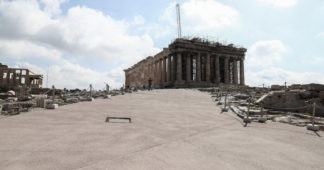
x=169, y=68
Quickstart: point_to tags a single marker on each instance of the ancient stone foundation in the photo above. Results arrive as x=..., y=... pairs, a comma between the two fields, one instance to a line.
x=189, y=63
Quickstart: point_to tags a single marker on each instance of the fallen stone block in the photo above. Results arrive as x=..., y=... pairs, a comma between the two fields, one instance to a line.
x=283, y=119
x=90, y=99
x=242, y=96
x=313, y=128
x=247, y=120
x=225, y=109
x=72, y=100
x=52, y=106
x=107, y=96
x=262, y=119
x=83, y=99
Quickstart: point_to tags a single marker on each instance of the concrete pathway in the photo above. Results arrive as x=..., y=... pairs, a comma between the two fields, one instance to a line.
x=171, y=129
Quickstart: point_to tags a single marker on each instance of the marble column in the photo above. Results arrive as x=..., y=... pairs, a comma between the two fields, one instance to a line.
x=155, y=72
x=160, y=71
x=149, y=70
x=188, y=69
x=208, y=68
x=14, y=77
x=164, y=70
x=152, y=71
x=217, y=71
x=235, y=73
x=226, y=69
x=173, y=71
x=26, y=77
x=242, y=72
x=179, y=67
x=169, y=69
x=198, y=68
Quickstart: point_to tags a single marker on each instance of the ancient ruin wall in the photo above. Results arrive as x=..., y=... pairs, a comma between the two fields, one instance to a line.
x=10, y=78
x=190, y=63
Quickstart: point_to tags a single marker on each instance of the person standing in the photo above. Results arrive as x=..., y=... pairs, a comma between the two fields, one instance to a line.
x=150, y=84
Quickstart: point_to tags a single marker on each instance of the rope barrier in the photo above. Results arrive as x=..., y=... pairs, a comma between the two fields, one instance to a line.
x=296, y=108
x=47, y=91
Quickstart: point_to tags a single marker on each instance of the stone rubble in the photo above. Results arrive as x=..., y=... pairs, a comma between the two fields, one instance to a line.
x=11, y=104
x=292, y=105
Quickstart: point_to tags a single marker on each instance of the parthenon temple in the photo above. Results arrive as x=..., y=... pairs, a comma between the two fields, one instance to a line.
x=189, y=63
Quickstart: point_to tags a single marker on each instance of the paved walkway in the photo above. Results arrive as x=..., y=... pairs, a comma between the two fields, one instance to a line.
x=171, y=129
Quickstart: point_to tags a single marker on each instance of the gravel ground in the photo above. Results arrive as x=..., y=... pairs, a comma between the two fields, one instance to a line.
x=171, y=129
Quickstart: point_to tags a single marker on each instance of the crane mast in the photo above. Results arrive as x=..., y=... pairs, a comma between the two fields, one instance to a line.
x=178, y=20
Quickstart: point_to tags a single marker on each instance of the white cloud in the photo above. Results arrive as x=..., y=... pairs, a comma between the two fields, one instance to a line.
x=138, y=20
x=25, y=49
x=314, y=60
x=166, y=24
x=265, y=53
x=202, y=15
x=274, y=75
x=320, y=35
x=70, y=75
x=262, y=58
x=21, y=18
x=197, y=17
x=52, y=7
x=27, y=31
x=280, y=3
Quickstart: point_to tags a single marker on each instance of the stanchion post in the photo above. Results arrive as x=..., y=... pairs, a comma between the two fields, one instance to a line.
x=53, y=93
x=247, y=120
x=261, y=110
x=219, y=98
x=312, y=126
x=90, y=90
x=262, y=119
x=225, y=109
x=248, y=111
x=225, y=101
x=313, y=117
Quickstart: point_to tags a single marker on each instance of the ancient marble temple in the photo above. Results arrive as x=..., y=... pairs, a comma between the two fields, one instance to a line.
x=189, y=63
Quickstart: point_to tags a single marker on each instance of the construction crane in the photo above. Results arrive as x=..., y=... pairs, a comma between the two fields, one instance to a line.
x=178, y=20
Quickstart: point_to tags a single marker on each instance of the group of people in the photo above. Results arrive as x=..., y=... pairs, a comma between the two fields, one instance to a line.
x=149, y=84
x=149, y=87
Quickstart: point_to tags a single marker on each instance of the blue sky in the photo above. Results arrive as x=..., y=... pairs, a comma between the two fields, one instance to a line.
x=79, y=42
